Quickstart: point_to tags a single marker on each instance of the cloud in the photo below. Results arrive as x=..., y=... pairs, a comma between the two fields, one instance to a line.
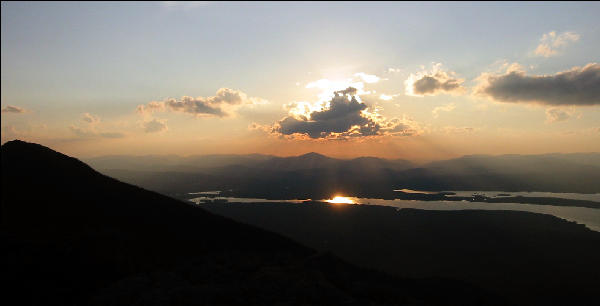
x=340, y=118
x=446, y=108
x=155, y=126
x=10, y=109
x=560, y=114
x=578, y=86
x=400, y=127
x=356, y=81
x=551, y=43
x=89, y=118
x=459, y=129
x=436, y=81
x=385, y=97
x=81, y=132
x=89, y=128
x=368, y=78
x=91, y=133
x=223, y=104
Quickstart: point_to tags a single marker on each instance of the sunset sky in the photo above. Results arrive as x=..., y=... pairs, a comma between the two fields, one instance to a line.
x=418, y=81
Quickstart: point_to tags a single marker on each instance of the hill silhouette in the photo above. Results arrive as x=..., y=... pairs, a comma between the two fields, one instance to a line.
x=72, y=236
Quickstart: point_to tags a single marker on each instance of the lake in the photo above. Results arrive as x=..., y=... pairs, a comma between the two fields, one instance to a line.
x=590, y=217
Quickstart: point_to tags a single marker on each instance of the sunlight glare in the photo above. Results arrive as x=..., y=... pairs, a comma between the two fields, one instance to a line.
x=340, y=200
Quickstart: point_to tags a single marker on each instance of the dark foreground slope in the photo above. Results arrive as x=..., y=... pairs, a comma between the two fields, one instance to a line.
x=531, y=259
x=71, y=236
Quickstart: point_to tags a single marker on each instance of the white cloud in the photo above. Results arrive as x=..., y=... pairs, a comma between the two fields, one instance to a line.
x=89, y=118
x=90, y=128
x=446, y=108
x=385, y=97
x=329, y=86
x=552, y=44
x=369, y=78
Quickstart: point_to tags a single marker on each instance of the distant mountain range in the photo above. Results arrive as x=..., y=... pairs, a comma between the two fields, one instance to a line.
x=314, y=175
x=72, y=236
x=210, y=162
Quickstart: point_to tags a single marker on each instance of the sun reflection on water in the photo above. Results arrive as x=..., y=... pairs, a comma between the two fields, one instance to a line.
x=340, y=200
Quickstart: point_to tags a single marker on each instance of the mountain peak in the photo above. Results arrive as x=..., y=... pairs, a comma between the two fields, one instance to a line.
x=313, y=155
x=20, y=158
x=19, y=143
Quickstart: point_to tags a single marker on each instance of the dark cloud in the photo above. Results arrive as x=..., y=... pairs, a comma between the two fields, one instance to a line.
x=154, y=126
x=433, y=82
x=578, y=86
x=348, y=91
x=343, y=114
x=194, y=106
x=13, y=110
x=221, y=105
x=344, y=117
x=430, y=85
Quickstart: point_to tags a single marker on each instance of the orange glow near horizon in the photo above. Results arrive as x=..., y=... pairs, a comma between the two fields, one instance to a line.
x=340, y=200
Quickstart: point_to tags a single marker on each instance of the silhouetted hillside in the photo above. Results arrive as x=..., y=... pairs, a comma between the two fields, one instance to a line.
x=72, y=236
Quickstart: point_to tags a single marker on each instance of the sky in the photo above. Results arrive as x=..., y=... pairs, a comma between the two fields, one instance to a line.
x=418, y=81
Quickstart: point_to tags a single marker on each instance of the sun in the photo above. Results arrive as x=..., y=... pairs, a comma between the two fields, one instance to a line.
x=340, y=200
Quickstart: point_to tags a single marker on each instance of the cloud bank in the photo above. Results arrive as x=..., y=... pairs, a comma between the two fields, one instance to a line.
x=431, y=83
x=224, y=103
x=577, y=86
x=10, y=109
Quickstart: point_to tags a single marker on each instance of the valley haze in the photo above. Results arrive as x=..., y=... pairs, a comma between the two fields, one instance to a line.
x=317, y=176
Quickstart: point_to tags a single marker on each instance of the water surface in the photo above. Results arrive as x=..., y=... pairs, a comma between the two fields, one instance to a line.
x=590, y=217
